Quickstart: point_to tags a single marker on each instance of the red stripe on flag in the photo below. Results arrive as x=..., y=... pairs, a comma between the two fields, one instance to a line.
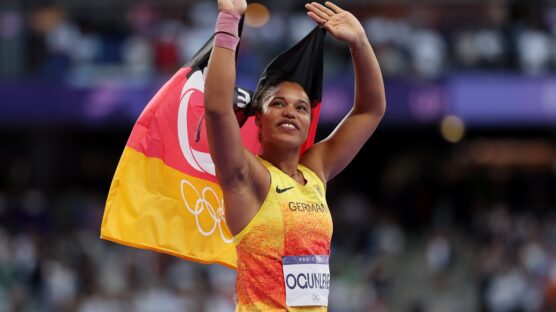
x=156, y=132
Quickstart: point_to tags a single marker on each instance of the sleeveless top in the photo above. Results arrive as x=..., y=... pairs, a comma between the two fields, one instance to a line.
x=293, y=220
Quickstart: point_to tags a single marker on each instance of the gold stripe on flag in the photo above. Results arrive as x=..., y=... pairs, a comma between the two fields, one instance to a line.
x=153, y=206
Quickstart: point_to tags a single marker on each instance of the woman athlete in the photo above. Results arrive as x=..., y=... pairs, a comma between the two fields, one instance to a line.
x=275, y=204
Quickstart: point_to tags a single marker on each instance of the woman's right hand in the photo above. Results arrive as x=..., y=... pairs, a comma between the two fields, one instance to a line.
x=237, y=6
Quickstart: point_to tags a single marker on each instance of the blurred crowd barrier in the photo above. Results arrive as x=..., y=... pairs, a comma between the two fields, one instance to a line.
x=478, y=100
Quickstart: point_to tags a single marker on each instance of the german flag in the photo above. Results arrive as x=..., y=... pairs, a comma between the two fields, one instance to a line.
x=164, y=195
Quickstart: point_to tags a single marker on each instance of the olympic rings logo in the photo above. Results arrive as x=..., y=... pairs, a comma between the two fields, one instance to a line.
x=205, y=207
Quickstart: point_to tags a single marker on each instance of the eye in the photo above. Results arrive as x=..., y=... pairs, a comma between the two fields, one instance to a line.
x=277, y=103
x=302, y=107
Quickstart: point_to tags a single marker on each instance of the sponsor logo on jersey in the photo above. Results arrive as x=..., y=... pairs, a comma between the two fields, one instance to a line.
x=279, y=190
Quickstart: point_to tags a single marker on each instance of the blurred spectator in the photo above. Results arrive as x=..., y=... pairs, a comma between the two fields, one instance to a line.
x=409, y=41
x=534, y=49
x=60, y=37
x=428, y=51
x=439, y=254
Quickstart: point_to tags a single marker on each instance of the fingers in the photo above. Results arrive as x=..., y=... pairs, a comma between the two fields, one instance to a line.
x=334, y=7
x=314, y=11
x=317, y=19
x=323, y=9
x=323, y=23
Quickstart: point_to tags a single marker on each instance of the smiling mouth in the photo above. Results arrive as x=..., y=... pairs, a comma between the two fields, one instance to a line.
x=287, y=125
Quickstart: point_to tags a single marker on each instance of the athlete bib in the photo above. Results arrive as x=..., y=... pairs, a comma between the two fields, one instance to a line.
x=307, y=280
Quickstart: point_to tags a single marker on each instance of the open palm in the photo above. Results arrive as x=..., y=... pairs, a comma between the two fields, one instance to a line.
x=341, y=24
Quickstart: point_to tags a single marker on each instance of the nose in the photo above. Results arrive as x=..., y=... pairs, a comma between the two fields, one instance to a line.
x=289, y=111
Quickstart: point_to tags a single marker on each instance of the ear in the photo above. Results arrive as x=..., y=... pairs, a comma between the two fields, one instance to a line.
x=258, y=120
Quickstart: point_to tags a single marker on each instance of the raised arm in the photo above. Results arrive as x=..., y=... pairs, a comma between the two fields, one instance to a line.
x=333, y=154
x=223, y=131
x=243, y=180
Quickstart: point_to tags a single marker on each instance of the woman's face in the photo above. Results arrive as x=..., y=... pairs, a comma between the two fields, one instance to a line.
x=285, y=116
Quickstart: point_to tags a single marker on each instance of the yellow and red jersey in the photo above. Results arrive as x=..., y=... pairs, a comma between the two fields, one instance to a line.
x=294, y=220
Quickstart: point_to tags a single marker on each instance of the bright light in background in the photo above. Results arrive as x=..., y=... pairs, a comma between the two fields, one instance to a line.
x=452, y=128
x=257, y=15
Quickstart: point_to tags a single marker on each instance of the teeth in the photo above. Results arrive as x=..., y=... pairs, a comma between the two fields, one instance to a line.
x=287, y=125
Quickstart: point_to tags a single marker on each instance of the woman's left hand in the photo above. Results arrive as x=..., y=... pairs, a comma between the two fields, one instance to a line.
x=341, y=24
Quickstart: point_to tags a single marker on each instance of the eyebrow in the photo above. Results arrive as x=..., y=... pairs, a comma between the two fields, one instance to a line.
x=283, y=98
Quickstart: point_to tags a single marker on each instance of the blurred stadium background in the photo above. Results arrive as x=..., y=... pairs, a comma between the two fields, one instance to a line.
x=449, y=207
